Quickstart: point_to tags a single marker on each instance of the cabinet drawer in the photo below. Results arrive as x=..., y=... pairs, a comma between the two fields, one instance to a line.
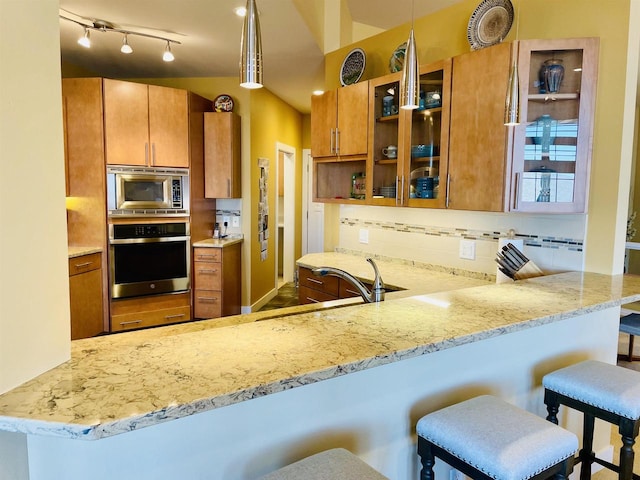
x=328, y=284
x=84, y=263
x=208, y=276
x=347, y=290
x=207, y=304
x=309, y=295
x=130, y=321
x=207, y=255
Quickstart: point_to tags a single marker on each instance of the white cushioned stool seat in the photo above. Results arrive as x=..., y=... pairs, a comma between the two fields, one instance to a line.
x=498, y=439
x=334, y=464
x=603, y=391
x=605, y=386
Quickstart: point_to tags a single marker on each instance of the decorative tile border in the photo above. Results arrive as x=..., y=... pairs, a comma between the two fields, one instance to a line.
x=530, y=240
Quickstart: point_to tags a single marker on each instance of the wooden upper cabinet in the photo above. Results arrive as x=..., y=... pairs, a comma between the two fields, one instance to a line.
x=222, y=155
x=339, y=120
x=478, y=139
x=145, y=125
x=168, y=127
x=126, y=123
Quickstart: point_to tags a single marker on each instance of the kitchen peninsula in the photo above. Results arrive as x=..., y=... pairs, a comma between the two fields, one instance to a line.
x=240, y=400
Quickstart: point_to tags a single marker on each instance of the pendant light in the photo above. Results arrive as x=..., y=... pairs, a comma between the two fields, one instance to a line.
x=512, y=102
x=410, y=84
x=167, y=56
x=251, y=49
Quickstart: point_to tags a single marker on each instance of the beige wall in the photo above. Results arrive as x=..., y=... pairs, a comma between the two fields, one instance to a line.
x=34, y=286
x=443, y=35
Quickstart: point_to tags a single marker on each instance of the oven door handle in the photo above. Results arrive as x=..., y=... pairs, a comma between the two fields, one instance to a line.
x=125, y=241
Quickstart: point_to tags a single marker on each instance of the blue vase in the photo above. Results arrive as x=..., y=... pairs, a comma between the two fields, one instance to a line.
x=552, y=71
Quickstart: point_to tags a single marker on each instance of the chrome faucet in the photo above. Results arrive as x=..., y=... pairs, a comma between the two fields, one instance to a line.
x=377, y=290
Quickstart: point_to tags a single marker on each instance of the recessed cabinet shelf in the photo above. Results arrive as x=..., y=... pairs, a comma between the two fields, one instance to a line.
x=550, y=97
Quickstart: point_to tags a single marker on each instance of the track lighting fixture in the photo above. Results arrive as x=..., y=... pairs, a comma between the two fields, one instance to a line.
x=126, y=48
x=251, y=49
x=410, y=83
x=105, y=27
x=85, y=40
x=167, y=56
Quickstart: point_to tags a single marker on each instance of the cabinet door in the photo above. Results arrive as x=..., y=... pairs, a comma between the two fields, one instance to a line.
x=168, y=127
x=552, y=144
x=353, y=118
x=126, y=123
x=85, y=296
x=478, y=139
x=324, y=121
x=426, y=153
x=386, y=142
x=222, y=155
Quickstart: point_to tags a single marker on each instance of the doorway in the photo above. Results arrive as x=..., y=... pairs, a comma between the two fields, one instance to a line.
x=312, y=212
x=285, y=208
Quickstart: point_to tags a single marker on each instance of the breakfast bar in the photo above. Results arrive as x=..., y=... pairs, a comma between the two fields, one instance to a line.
x=239, y=399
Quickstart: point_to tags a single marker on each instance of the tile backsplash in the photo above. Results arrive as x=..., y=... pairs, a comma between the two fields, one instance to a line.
x=553, y=242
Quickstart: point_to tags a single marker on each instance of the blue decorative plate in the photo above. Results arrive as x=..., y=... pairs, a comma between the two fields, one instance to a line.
x=396, y=61
x=352, y=67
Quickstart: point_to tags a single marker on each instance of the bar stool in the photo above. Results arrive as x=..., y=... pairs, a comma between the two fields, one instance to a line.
x=487, y=438
x=334, y=464
x=603, y=391
x=630, y=324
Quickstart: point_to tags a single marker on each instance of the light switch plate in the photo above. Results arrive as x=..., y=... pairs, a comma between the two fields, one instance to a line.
x=235, y=221
x=363, y=235
x=468, y=249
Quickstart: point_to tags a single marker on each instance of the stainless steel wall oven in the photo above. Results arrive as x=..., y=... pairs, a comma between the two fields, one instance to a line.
x=149, y=259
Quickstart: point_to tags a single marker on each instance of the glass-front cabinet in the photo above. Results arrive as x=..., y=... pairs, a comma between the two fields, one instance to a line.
x=552, y=144
x=408, y=148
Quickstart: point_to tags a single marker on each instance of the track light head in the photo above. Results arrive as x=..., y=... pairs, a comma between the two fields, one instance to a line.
x=126, y=48
x=167, y=56
x=85, y=40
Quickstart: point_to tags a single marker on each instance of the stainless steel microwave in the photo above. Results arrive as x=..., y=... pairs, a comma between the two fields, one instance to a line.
x=144, y=191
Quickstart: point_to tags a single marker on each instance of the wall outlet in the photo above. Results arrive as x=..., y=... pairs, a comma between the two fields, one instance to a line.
x=235, y=221
x=226, y=220
x=363, y=235
x=468, y=249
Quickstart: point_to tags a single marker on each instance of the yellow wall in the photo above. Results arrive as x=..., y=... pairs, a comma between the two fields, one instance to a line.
x=443, y=34
x=272, y=121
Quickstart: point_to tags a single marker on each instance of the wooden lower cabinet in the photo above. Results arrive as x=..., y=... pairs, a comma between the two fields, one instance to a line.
x=85, y=295
x=151, y=311
x=314, y=289
x=217, y=285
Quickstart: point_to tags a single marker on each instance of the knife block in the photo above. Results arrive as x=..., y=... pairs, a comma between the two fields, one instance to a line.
x=516, y=242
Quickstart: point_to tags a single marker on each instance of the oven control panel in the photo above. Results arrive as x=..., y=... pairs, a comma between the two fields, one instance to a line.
x=148, y=230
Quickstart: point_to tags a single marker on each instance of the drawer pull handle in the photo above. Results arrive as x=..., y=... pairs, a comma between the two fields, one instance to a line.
x=207, y=270
x=132, y=322
x=313, y=280
x=179, y=315
x=207, y=299
x=205, y=257
x=313, y=300
x=82, y=265
x=352, y=291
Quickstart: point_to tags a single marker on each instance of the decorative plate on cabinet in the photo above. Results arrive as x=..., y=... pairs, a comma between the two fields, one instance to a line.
x=396, y=61
x=489, y=23
x=223, y=103
x=352, y=67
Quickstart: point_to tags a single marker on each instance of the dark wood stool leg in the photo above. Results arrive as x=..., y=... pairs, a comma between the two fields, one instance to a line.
x=630, y=348
x=427, y=459
x=586, y=453
x=567, y=468
x=628, y=433
x=553, y=405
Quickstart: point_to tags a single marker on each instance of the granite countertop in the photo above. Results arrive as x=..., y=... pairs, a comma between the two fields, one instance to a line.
x=165, y=373
x=219, y=242
x=80, y=251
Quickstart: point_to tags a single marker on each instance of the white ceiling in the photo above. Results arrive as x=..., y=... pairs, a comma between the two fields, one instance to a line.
x=210, y=33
